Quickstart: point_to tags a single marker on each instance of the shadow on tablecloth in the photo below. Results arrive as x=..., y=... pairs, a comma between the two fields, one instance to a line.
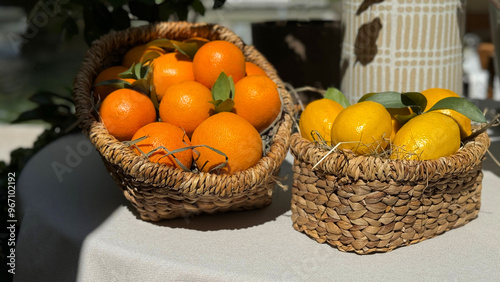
x=236, y=219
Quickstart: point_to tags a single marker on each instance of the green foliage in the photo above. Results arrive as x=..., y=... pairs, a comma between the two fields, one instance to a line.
x=417, y=102
x=389, y=99
x=140, y=73
x=334, y=94
x=98, y=17
x=188, y=49
x=54, y=109
x=102, y=16
x=223, y=93
x=58, y=112
x=462, y=106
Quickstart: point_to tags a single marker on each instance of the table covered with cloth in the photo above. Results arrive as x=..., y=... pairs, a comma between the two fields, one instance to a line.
x=77, y=225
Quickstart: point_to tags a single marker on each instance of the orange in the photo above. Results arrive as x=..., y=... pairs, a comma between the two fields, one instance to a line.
x=170, y=69
x=124, y=111
x=136, y=54
x=186, y=105
x=162, y=134
x=252, y=69
x=433, y=95
x=256, y=98
x=215, y=57
x=107, y=74
x=232, y=135
x=363, y=128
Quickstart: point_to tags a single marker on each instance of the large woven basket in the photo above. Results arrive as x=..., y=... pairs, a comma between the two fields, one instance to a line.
x=156, y=190
x=369, y=204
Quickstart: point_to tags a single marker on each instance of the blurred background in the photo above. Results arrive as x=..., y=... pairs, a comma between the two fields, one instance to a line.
x=42, y=44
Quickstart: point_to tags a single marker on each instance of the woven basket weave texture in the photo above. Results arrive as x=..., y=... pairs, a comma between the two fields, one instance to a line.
x=368, y=204
x=156, y=190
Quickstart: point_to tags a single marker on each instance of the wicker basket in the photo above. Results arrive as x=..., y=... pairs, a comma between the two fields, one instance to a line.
x=156, y=190
x=367, y=204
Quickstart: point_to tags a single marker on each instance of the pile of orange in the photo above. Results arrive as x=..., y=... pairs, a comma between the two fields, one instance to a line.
x=196, y=104
x=380, y=124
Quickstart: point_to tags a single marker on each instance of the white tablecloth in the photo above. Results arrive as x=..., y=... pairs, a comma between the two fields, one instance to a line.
x=77, y=225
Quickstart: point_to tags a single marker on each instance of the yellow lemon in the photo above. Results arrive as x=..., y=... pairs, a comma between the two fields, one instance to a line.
x=365, y=128
x=433, y=95
x=427, y=136
x=319, y=115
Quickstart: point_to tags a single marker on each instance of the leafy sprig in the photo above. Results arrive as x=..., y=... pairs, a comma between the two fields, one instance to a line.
x=223, y=93
x=99, y=17
x=417, y=102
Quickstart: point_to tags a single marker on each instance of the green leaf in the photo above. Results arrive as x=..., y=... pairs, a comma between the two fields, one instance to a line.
x=141, y=85
x=149, y=56
x=334, y=94
x=51, y=113
x=366, y=96
x=162, y=43
x=221, y=90
x=218, y=4
x=98, y=21
x=462, y=106
x=231, y=87
x=128, y=73
x=182, y=12
x=154, y=97
x=226, y=106
x=117, y=83
x=121, y=19
x=42, y=98
x=216, y=102
x=152, y=91
x=138, y=70
x=388, y=99
x=418, y=101
x=143, y=10
x=188, y=49
x=198, y=7
x=165, y=10
x=149, y=2
x=404, y=118
x=144, y=71
x=44, y=113
x=117, y=3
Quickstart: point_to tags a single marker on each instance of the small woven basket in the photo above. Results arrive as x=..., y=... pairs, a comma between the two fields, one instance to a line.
x=158, y=191
x=369, y=204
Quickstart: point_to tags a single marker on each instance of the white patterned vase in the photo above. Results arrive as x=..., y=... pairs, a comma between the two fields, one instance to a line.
x=401, y=45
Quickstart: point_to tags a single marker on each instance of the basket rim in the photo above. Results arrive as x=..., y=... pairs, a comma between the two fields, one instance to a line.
x=370, y=168
x=141, y=169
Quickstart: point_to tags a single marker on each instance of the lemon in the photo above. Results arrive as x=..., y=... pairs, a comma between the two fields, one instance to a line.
x=427, y=136
x=433, y=95
x=365, y=127
x=319, y=115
